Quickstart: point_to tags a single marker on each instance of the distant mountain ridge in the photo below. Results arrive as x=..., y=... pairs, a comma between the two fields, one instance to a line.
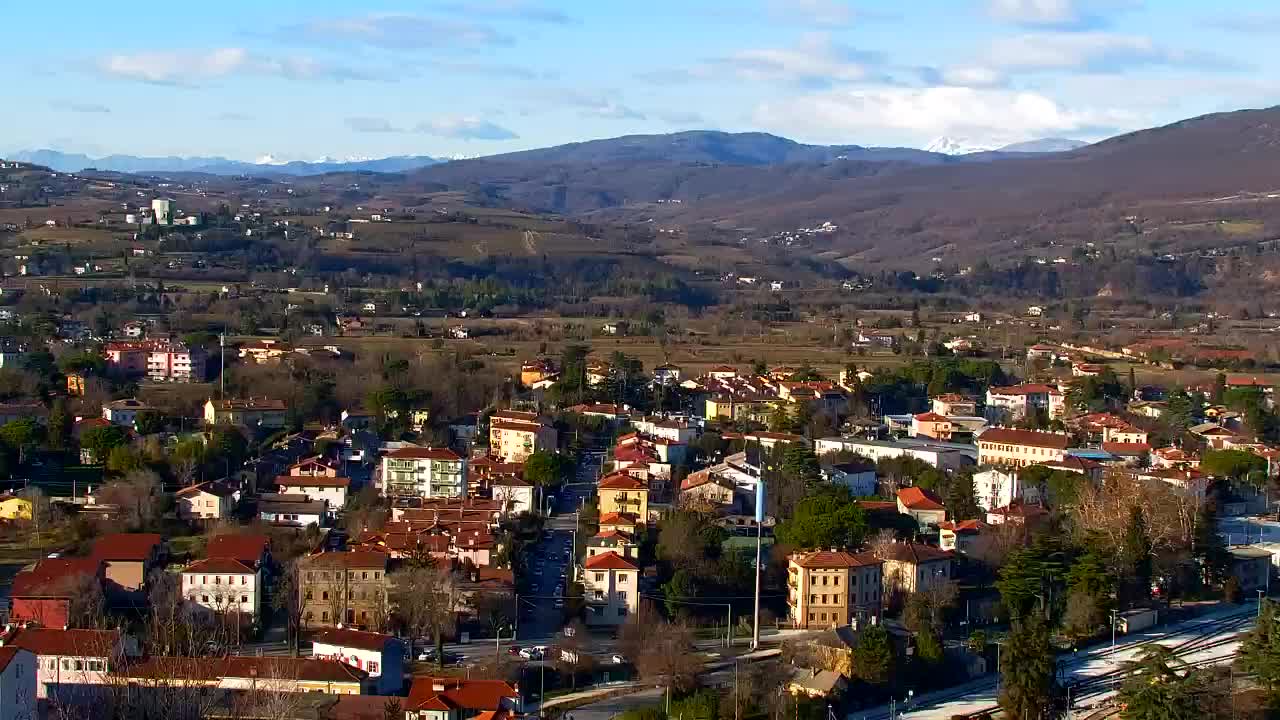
x=1045, y=145
x=75, y=162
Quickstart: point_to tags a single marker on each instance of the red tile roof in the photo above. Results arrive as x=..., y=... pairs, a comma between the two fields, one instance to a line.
x=345, y=637
x=210, y=487
x=608, y=561
x=355, y=559
x=71, y=643
x=615, y=518
x=7, y=654
x=914, y=498
x=457, y=693
x=1032, y=438
x=280, y=668
x=967, y=526
x=55, y=578
x=877, y=505
x=621, y=481
x=126, y=546
x=914, y=553
x=835, y=559
x=416, y=453
x=219, y=566
x=247, y=548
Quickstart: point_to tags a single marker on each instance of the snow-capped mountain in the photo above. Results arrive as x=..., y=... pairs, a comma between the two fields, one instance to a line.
x=269, y=159
x=956, y=146
x=266, y=164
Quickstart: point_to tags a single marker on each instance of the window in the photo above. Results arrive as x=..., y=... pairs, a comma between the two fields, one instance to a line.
x=244, y=599
x=324, y=595
x=622, y=578
x=372, y=667
x=308, y=594
x=324, y=616
x=311, y=575
x=824, y=579
x=622, y=612
x=244, y=579
x=599, y=577
x=95, y=665
x=622, y=595
x=377, y=574
x=364, y=576
x=836, y=581
x=599, y=594
x=204, y=598
x=812, y=617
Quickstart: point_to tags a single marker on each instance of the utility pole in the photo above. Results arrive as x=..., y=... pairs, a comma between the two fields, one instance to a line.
x=1113, y=630
x=755, y=621
x=222, y=364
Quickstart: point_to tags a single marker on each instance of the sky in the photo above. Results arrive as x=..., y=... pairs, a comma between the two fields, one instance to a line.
x=305, y=79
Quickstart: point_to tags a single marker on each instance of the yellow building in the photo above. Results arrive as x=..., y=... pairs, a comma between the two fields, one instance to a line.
x=621, y=493
x=13, y=507
x=1006, y=447
x=515, y=435
x=827, y=588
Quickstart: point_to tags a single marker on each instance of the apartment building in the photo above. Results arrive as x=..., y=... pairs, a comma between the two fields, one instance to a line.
x=515, y=435
x=344, y=588
x=1013, y=403
x=826, y=588
x=71, y=665
x=1007, y=447
x=911, y=567
x=424, y=473
x=622, y=493
x=332, y=490
x=248, y=412
x=222, y=587
x=158, y=360
x=611, y=588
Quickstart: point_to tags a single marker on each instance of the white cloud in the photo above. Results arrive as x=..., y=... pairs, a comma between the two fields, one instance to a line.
x=829, y=13
x=816, y=60
x=589, y=104
x=465, y=128
x=915, y=115
x=399, y=31
x=1092, y=51
x=972, y=76
x=1035, y=12
x=191, y=68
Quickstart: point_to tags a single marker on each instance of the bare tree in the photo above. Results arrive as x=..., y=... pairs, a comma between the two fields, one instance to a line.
x=138, y=495
x=571, y=656
x=288, y=596
x=426, y=602
x=661, y=651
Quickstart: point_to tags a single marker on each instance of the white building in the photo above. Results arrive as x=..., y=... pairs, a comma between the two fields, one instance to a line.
x=424, y=472
x=858, y=477
x=18, y=686
x=332, y=490
x=223, y=587
x=382, y=656
x=162, y=208
x=1010, y=404
x=124, y=412
x=513, y=493
x=206, y=501
x=996, y=488
x=944, y=456
x=611, y=588
x=69, y=664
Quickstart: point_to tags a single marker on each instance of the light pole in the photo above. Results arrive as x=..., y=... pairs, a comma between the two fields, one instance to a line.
x=1113, y=630
x=1261, y=592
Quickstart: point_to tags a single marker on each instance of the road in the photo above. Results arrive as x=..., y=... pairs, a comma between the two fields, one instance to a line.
x=1213, y=636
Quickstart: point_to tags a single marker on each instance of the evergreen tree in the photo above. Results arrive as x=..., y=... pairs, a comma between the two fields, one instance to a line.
x=1135, y=561
x=873, y=657
x=1028, y=666
x=1260, y=653
x=1219, y=388
x=1161, y=687
x=1208, y=548
x=961, y=499
x=59, y=425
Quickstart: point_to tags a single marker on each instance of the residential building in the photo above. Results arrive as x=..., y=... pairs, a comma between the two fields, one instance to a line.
x=129, y=557
x=615, y=541
x=943, y=456
x=424, y=473
x=515, y=435
x=292, y=510
x=705, y=489
x=71, y=666
x=205, y=501
x=124, y=412
x=1251, y=567
x=45, y=593
x=535, y=371
x=965, y=537
x=931, y=425
x=1017, y=512
x=344, y=588
x=316, y=488
x=224, y=588
x=1010, y=404
x=18, y=685
x=452, y=698
x=249, y=412
x=816, y=684
x=240, y=672
x=158, y=360
x=911, y=567
x=14, y=507
x=621, y=522
x=514, y=493
x=997, y=487
x=828, y=588
x=667, y=374
x=252, y=549
x=10, y=412
x=611, y=588
x=622, y=493
x=381, y=656
x=1019, y=448
x=314, y=467
x=859, y=476
x=922, y=505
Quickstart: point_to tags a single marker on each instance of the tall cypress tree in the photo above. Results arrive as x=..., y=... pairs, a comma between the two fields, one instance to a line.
x=1029, y=686
x=1135, y=560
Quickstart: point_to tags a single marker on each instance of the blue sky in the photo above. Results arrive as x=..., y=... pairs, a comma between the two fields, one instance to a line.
x=300, y=80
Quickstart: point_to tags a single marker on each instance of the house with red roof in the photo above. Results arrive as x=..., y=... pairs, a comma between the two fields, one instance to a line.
x=515, y=435
x=965, y=537
x=223, y=588
x=912, y=567
x=922, y=505
x=46, y=593
x=252, y=549
x=931, y=425
x=328, y=488
x=1010, y=447
x=826, y=588
x=129, y=557
x=618, y=541
x=1013, y=403
x=382, y=656
x=451, y=698
x=73, y=665
x=424, y=472
x=611, y=588
x=204, y=501
x=622, y=493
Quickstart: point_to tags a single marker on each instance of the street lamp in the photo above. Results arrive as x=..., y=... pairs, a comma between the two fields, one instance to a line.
x=1113, y=630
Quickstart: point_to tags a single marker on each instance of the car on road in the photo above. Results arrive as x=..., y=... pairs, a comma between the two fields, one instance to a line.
x=559, y=603
x=618, y=660
x=530, y=653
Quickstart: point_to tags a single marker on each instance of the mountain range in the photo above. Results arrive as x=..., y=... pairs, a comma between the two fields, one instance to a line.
x=266, y=165
x=752, y=149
